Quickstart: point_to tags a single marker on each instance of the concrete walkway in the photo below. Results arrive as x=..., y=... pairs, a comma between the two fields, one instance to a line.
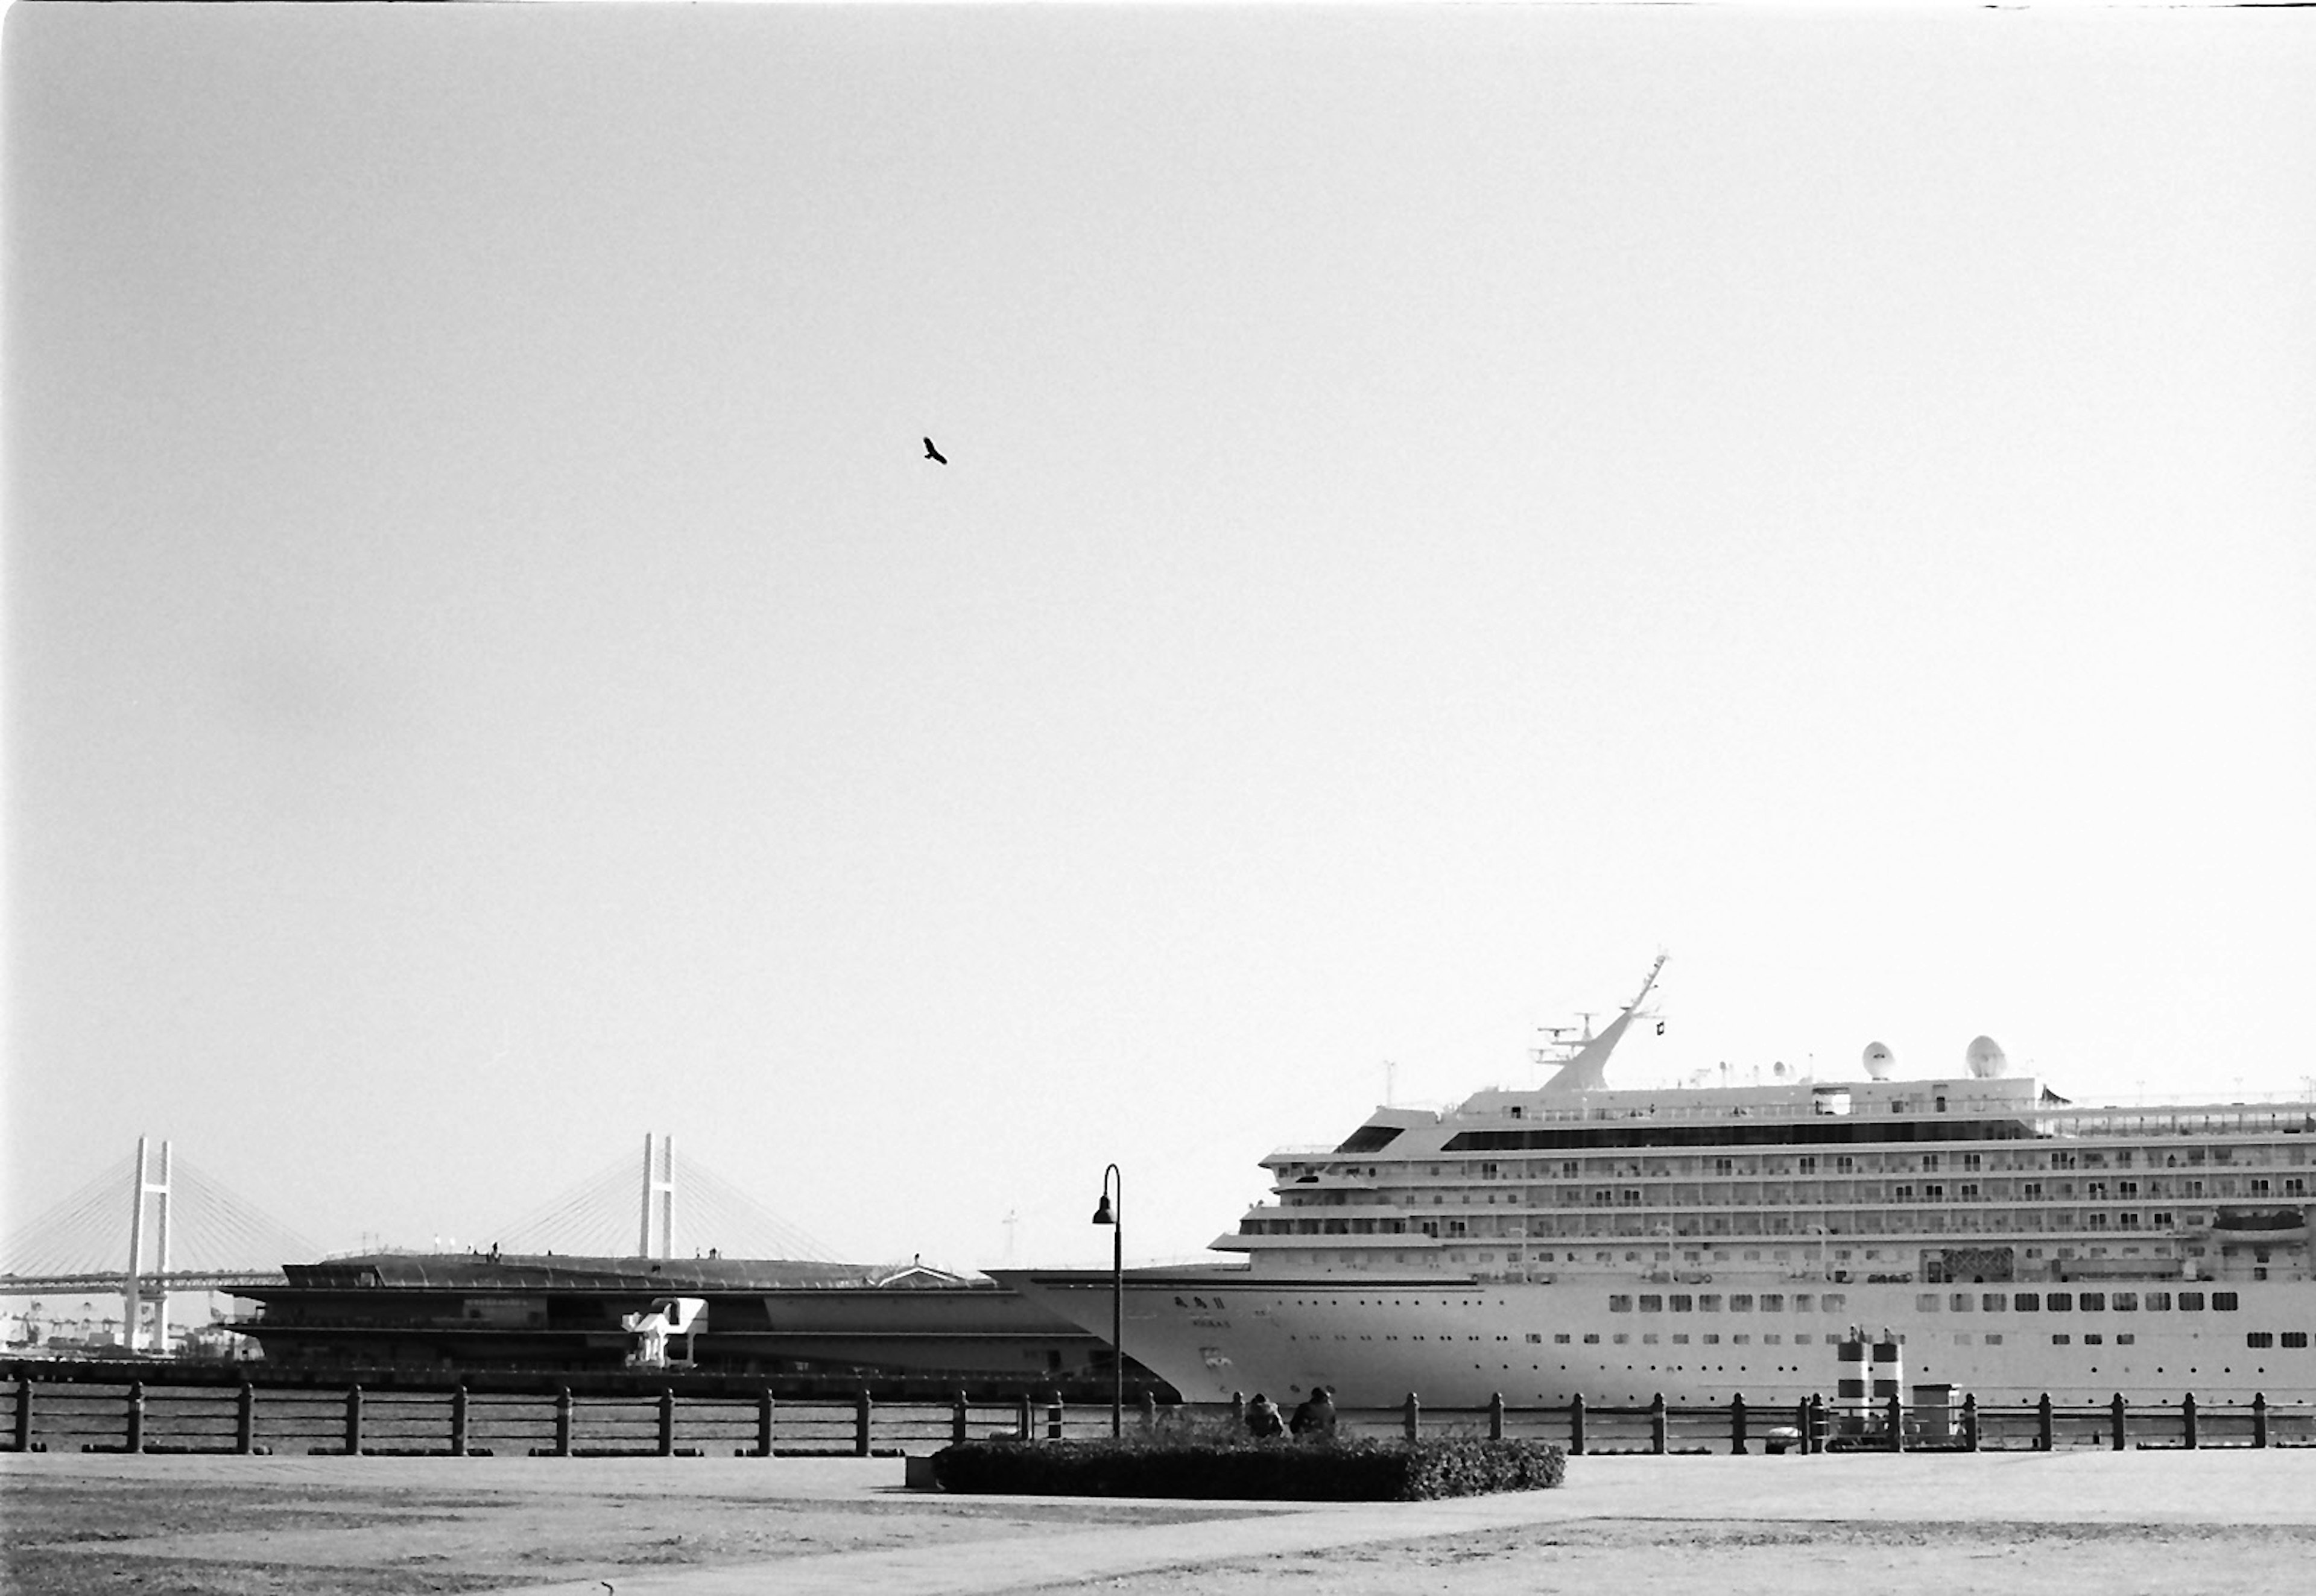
x=2208, y=1488
x=474, y=1514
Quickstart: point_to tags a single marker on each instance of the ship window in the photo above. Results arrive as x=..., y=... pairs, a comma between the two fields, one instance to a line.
x=1836, y=1301
x=2094, y=1303
x=2062, y=1302
x=1652, y=1304
x=1802, y=1302
x=1535, y=1338
x=2062, y=1339
x=1741, y=1302
x=1773, y=1303
x=2191, y=1302
x=1620, y=1304
x=1994, y=1340
x=1740, y=1340
x=1592, y=1338
x=1680, y=1339
x=2296, y=1338
x=1710, y=1302
x=1560, y=1338
x=1682, y=1302
x=2127, y=1302
x=2224, y=1302
x=2126, y=1339
x=1960, y=1302
x=2093, y=1339
x=1713, y=1341
x=2260, y=1338
x=2159, y=1302
x=1993, y=1302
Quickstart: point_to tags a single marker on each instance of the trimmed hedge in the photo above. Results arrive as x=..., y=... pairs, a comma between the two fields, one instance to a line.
x=1250, y=1471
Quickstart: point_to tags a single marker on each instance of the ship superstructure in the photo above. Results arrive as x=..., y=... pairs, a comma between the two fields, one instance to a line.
x=1710, y=1241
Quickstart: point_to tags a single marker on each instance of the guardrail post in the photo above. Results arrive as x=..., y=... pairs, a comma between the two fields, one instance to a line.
x=1897, y=1423
x=1411, y=1417
x=353, y=1421
x=1028, y=1428
x=764, y=1423
x=563, y=1426
x=23, y=1413
x=1970, y=1424
x=1149, y=1412
x=864, y=1415
x=1496, y=1416
x=1657, y=1425
x=1737, y=1425
x=2188, y=1437
x=960, y=1421
x=1576, y=1426
x=1054, y=1418
x=2115, y=1415
x=2045, y=1432
x=245, y=1419
x=2260, y=1418
x=1805, y=1421
x=667, y=1421
x=135, y=1416
x=461, y=1416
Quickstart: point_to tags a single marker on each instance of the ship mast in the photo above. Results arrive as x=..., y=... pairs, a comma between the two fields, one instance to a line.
x=1586, y=1069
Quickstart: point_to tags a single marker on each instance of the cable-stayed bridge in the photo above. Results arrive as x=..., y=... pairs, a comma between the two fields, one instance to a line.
x=154, y=1223
x=678, y=1203
x=152, y=1216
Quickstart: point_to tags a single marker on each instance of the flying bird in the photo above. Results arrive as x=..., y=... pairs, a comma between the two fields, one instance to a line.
x=933, y=454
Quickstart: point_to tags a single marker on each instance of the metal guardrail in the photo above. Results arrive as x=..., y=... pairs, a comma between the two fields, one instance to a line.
x=151, y=1416
x=158, y=1417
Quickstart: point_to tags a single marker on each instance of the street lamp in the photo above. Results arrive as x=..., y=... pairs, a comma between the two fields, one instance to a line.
x=1111, y=1214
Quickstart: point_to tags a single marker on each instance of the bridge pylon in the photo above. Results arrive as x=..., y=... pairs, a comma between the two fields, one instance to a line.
x=149, y=1181
x=658, y=1230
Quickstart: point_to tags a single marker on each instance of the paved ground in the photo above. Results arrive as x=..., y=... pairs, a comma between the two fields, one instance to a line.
x=2017, y=1523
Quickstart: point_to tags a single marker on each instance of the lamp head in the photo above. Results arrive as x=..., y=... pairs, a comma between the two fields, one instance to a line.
x=1103, y=1215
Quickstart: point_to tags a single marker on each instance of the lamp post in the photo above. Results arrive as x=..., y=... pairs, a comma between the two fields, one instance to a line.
x=1111, y=1214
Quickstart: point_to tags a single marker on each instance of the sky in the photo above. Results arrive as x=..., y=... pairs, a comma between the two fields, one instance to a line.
x=1442, y=504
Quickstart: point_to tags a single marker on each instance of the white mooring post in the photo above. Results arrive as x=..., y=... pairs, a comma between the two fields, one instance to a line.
x=659, y=1199
x=146, y=1183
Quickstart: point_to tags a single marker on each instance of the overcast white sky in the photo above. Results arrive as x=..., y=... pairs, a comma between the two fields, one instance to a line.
x=1441, y=503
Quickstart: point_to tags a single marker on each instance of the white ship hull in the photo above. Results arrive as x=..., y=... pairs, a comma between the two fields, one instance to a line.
x=1704, y=1242
x=1456, y=1343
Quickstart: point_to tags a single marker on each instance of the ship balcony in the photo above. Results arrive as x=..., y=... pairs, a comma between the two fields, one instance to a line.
x=1233, y=1241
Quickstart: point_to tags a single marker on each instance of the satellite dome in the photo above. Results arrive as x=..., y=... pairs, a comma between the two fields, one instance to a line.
x=1984, y=1056
x=1879, y=1060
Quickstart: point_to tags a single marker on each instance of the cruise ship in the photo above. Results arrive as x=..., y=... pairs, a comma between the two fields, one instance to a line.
x=1707, y=1242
